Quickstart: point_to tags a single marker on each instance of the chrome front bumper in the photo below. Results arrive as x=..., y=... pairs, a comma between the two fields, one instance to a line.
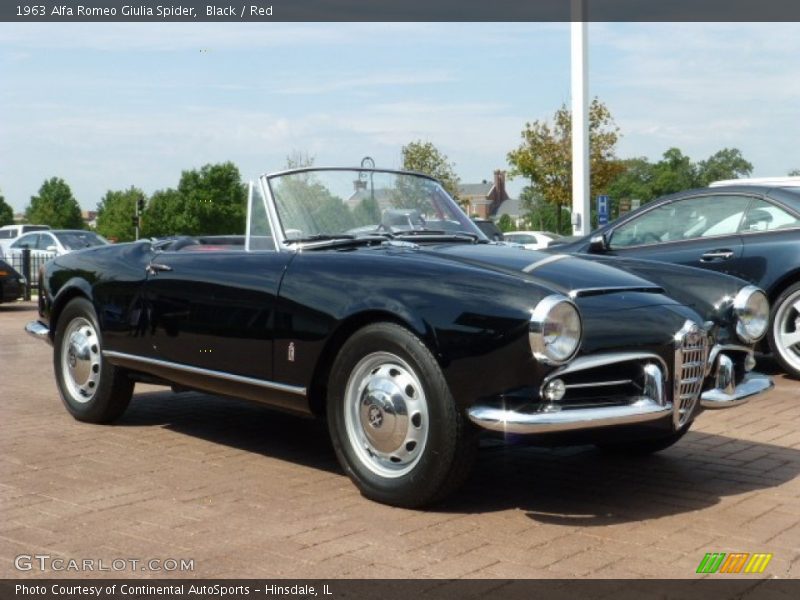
x=652, y=407
x=38, y=330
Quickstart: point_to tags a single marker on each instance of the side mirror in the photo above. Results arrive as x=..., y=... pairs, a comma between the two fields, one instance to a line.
x=598, y=244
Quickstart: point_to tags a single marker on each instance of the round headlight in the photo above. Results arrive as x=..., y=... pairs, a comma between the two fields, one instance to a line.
x=555, y=330
x=752, y=313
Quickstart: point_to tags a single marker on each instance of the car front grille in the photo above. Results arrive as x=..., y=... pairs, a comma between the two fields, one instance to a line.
x=691, y=358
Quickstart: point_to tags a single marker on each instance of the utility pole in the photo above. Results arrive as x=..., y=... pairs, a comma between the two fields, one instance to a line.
x=581, y=211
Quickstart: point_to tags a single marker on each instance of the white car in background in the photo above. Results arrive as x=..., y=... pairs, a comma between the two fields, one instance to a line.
x=9, y=233
x=54, y=242
x=532, y=240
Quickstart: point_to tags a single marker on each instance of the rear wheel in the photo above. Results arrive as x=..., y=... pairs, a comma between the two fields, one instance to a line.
x=784, y=330
x=395, y=427
x=644, y=447
x=91, y=388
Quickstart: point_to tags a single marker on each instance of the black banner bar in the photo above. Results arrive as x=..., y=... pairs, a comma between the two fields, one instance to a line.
x=392, y=589
x=399, y=10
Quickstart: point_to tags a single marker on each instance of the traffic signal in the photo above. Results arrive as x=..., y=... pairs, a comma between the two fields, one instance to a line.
x=135, y=221
x=140, y=204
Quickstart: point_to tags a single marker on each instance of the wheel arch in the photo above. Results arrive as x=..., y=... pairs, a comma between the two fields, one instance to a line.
x=74, y=288
x=317, y=393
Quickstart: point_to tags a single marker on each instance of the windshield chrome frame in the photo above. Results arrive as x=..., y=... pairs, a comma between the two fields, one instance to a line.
x=272, y=210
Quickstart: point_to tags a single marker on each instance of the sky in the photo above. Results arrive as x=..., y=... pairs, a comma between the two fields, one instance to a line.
x=110, y=105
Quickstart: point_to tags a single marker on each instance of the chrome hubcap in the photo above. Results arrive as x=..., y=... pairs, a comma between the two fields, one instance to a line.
x=386, y=414
x=787, y=330
x=80, y=360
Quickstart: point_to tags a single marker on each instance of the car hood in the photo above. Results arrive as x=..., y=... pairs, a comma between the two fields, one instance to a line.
x=560, y=272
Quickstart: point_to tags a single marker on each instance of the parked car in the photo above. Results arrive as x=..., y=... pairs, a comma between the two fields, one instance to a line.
x=12, y=284
x=55, y=242
x=9, y=233
x=489, y=229
x=398, y=320
x=751, y=231
x=532, y=240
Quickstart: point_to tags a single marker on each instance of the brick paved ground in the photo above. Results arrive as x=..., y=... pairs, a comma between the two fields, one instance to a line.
x=246, y=492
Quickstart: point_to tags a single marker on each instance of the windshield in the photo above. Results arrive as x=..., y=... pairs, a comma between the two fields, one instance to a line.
x=323, y=203
x=75, y=240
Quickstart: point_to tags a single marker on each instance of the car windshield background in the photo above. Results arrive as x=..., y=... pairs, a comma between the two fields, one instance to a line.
x=75, y=240
x=353, y=202
x=259, y=233
x=704, y=216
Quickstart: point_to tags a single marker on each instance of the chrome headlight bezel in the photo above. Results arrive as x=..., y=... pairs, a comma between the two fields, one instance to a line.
x=751, y=308
x=559, y=347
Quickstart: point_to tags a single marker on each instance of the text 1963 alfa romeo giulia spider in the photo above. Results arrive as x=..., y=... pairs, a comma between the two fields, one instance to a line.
x=369, y=297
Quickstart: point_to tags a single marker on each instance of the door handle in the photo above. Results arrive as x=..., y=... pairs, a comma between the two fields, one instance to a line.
x=155, y=268
x=717, y=255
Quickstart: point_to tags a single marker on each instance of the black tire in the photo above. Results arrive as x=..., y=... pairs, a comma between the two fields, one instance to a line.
x=92, y=389
x=412, y=451
x=785, y=318
x=644, y=447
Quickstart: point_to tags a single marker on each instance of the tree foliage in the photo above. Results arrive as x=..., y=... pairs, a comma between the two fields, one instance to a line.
x=115, y=214
x=6, y=212
x=545, y=155
x=506, y=223
x=55, y=206
x=208, y=201
x=424, y=157
x=676, y=172
x=541, y=215
x=794, y=173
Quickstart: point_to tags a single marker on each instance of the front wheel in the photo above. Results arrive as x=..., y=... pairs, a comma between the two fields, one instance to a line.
x=91, y=388
x=395, y=427
x=784, y=330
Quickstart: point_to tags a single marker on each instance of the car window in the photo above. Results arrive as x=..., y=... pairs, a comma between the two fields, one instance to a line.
x=763, y=216
x=44, y=242
x=75, y=240
x=698, y=217
x=26, y=241
x=8, y=234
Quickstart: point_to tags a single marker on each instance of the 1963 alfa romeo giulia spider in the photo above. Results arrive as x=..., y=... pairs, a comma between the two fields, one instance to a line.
x=370, y=298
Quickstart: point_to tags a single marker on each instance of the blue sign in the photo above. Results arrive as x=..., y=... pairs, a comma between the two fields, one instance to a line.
x=603, y=210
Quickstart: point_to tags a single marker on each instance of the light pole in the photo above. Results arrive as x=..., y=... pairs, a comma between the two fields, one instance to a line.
x=581, y=203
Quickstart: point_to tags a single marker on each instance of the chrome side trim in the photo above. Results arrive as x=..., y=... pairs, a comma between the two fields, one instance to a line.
x=752, y=385
x=594, y=384
x=544, y=261
x=595, y=291
x=38, y=330
x=509, y=421
x=270, y=385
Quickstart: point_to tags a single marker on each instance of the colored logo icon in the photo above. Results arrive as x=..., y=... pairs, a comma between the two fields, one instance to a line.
x=734, y=562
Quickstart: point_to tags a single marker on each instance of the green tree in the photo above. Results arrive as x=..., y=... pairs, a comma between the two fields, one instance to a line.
x=164, y=215
x=214, y=199
x=211, y=200
x=545, y=155
x=424, y=157
x=727, y=163
x=55, y=206
x=794, y=173
x=542, y=215
x=505, y=223
x=115, y=214
x=675, y=172
x=6, y=212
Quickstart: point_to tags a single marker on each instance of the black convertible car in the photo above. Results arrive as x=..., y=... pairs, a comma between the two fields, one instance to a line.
x=749, y=231
x=369, y=297
x=11, y=283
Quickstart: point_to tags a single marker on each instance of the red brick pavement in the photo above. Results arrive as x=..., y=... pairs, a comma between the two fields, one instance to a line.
x=246, y=492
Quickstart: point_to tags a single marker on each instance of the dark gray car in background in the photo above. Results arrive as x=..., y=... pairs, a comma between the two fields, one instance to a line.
x=750, y=231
